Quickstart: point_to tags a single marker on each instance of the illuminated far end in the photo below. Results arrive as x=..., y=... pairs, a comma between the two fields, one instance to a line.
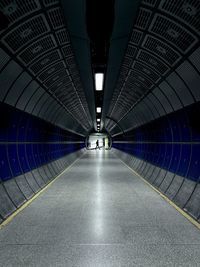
x=98, y=110
x=98, y=120
x=99, y=81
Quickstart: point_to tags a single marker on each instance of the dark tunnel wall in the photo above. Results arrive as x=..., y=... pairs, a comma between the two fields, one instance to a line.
x=153, y=115
x=43, y=107
x=33, y=152
x=166, y=153
x=46, y=110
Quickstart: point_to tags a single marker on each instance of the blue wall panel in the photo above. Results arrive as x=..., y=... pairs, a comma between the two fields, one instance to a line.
x=171, y=142
x=21, y=148
x=28, y=142
x=5, y=172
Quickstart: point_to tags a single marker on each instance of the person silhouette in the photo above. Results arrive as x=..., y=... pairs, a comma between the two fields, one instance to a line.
x=97, y=144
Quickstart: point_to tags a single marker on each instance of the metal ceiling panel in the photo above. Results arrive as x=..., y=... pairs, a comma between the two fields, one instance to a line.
x=131, y=51
x=34, y=100
x=62, y=36
x=18, y=9
x=45, y=61
x=58, y=79
x=46, y=107
x=143, y=18
x=157, y=104
x=152, y=106
x=191, y=78
x=127, y=61
x=181, y=89
x=186, y=11
x=4, y=58
x=25, y=33
x=18, y=87
x=57, y=114
x=53, y=113
x=170, y=94
x=153, y=62
x=37, y=49
x=26, y=95
x=56, y=18
x=195, y=59
x=149, y=2
x=56, y=67
x=143, y=68
x=8, y=77
x=40, y=104
x=50, y=2
x=163, y=100
x=136, y=37
x=161, y=49
x=173, y=32
x=67, y=51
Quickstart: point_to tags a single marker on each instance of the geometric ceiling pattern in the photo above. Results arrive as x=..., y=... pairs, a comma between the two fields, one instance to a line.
x=38, y=65
x=164, y=35
x=159, y=73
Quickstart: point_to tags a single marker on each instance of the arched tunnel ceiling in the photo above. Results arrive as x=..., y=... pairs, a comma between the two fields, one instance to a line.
x=39, y=73
x=160, y=70
x=152, y=69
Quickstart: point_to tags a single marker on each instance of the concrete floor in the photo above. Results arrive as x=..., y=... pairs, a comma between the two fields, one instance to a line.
x=98, y=214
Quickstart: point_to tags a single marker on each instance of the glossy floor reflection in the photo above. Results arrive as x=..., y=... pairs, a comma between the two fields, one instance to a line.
x=98, y=214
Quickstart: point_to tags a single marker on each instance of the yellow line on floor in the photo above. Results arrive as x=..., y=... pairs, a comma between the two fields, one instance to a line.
x=28, y=202
x=186, y=215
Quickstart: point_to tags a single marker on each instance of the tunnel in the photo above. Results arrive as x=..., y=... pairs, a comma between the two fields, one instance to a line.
x=99, y=133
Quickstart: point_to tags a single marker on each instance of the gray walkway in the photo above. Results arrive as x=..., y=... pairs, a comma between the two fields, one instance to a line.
x=98, y=214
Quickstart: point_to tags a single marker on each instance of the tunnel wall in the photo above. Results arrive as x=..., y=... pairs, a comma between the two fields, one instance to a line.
x=33, y=152
x=166, y=153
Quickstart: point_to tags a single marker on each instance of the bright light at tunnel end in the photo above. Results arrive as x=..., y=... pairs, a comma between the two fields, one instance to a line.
x=98, y=110
x=99, y=77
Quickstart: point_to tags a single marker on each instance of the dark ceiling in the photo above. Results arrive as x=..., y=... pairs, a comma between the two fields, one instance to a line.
x=100, y=20
x=148, y=51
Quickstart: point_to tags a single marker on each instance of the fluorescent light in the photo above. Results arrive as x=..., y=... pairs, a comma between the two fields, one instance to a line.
x=98, y=110
x=98, y=120
x=99, y=81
